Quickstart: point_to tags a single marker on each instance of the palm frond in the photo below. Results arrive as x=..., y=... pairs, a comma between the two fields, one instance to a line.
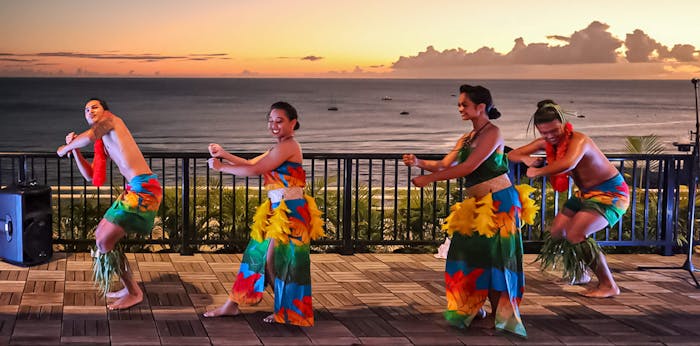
x=649, y=144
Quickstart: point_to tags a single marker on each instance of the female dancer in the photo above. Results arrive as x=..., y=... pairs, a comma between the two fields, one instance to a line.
x=485, y=255
x=282, y=227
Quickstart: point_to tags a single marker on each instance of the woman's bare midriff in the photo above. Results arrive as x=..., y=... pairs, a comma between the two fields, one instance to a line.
x=492, y=185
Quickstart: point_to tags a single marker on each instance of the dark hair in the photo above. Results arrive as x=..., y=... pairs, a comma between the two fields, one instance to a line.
x=289, y=109
x=479, y=94
x=547, y=111
x=102, y=102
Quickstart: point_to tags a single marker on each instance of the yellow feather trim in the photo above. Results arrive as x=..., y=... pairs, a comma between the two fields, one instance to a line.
x=461, y=218
x=485, y=212
x=260, y=221
x=316, y=223
x=481, y=216
x=529, y=207
x=278, y=224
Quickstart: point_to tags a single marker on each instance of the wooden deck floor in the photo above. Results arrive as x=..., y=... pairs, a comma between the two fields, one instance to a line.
x=361, y=299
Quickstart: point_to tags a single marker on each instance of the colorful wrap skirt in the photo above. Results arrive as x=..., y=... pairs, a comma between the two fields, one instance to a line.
x=292, y=224
x=136, y=207
x=485, y=255
x=610, y=199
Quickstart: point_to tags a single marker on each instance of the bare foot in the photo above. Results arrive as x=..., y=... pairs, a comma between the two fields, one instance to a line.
x=602, y=292
x=118, y=294
x=126, y=302
x=269, y=319
x=228, y=309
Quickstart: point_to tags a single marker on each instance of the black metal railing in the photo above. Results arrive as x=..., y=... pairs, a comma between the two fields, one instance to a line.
x=367, y=200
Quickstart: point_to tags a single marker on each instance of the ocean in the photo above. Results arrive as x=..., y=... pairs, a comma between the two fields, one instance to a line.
x=185, y=115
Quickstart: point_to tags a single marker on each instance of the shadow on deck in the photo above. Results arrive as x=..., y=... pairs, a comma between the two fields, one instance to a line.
x=374, y=299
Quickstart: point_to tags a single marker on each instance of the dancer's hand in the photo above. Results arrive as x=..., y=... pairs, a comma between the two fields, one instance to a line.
x=533, y=161
x=216, y=150
x=533, y=172
x=421, y=180
x=215, y=164
x=70, y=137
x=410, y=160
x=61, y=151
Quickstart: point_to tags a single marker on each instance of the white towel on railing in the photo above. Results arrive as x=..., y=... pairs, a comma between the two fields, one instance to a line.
x=442, y=250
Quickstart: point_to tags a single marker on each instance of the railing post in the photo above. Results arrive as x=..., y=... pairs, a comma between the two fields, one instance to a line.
x=692, y=171
x=347, y=247
x=668, y=201
x=22, y=169
x=543, y=209
x=185, y=249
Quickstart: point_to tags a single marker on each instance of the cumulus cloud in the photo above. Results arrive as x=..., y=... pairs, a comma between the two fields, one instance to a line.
x=449, y=57
x=641, y=47
x=592, y=45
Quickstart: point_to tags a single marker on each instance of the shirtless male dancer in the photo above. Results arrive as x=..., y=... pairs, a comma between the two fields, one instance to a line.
x=133, y=211
x=603, y=195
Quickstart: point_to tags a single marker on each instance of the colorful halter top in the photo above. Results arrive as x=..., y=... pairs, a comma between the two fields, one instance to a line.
x=493, y=166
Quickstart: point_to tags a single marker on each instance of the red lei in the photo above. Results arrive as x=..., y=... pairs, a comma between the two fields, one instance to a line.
x=560, y=182
x=99, y=164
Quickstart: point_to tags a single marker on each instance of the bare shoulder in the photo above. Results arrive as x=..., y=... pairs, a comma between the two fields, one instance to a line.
x=103, y=126
x=579, y=136
x=287, y=147
x=291, y=149
x=493, y=129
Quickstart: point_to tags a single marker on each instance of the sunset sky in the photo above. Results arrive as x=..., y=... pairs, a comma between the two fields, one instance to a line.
x=353, y=39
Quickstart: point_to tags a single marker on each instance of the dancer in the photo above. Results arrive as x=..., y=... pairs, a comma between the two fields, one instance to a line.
x=133, y=211
x=282, y=227
x=484, y=259
x=601, y=200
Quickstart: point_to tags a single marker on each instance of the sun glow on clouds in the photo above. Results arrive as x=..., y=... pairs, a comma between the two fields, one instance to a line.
x=313, y=38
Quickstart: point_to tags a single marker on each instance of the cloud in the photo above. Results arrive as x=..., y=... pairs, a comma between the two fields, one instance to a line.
x=146, y=57
x=312, y=58
x=642, y=48
x=210, y=55
x=591, y=45
x=307, y=58
x=356, y=71
x=111, y=56
x=559, y=38
x=17, y=60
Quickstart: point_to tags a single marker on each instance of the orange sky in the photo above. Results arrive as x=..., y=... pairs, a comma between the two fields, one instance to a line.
x=437, y=39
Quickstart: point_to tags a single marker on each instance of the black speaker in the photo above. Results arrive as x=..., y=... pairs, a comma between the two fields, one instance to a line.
x=25, y=224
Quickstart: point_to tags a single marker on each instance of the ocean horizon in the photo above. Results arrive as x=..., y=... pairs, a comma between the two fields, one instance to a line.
x=372, y=116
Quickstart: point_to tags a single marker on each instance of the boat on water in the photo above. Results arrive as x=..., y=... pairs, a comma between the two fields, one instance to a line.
x=333, y=108
x=404, y=113
x=386, y=98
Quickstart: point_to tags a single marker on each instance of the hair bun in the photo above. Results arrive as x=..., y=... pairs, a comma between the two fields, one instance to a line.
x=494, y=113
x=544, y=102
